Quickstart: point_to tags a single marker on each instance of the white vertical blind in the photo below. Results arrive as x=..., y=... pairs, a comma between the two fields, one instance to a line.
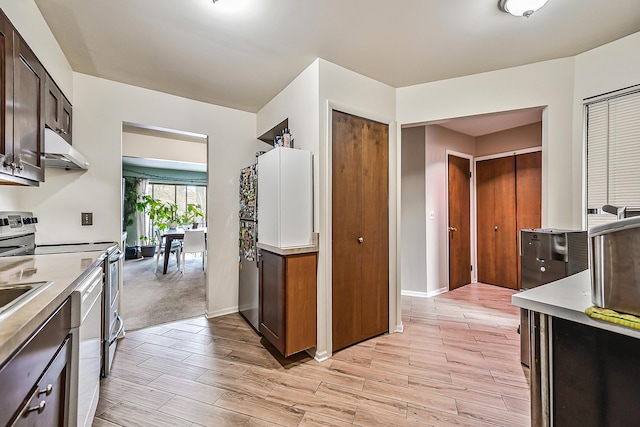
x=613, y=153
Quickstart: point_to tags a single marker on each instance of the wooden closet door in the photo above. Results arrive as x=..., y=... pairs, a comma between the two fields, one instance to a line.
x=375, y=229
x=505, y=221
x=347, y=222
x=459, y=221
x=486, y=236
x=360, y=260
x=496, y=219
x=528, y=196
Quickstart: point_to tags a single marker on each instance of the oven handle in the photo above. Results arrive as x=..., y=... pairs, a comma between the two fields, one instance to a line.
x=117, y=334
x=116, y=257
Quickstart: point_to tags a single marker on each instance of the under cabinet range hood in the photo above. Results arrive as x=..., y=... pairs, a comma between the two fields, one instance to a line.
x=59, y=153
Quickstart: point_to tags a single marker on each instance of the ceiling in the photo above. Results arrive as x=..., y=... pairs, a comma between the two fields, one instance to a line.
x=484, y=124
x=241, y=53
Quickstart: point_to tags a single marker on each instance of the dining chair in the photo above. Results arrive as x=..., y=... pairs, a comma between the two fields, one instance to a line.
x=195, y=242
x=176, y=247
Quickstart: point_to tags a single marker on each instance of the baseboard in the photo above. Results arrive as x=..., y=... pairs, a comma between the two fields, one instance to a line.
x=399, y=328
x=211, y=314
x=424, y=294
x=320, y=356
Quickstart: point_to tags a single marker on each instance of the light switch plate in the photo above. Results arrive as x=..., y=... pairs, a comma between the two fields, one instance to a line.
x=432, y=214
x=87, y=218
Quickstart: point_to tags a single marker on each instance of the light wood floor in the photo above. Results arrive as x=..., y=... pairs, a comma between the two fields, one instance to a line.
x=457, y=363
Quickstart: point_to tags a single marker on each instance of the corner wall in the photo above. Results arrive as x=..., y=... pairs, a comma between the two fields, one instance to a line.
x=413, y=266
x=353, y=93
x=548, y=83
x=604, y=69
x=439, y=140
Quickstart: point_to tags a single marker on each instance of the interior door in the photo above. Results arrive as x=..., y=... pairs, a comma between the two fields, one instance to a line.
x=496, y=220
x=528, y=196
x=360, y=260
x=459, y=221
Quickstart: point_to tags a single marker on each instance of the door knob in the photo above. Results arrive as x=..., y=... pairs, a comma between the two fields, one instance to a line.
x=360, y=239
x=453, y=229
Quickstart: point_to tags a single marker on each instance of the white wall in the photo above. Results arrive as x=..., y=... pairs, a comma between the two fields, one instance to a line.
x=157, y=147
x=413, y=266
x=607, y=68
x=25, y=16
x=514, y=139
x=299, y=103
x=439, y=140
x=101, y=106
x=548, y=83
x=347, y=91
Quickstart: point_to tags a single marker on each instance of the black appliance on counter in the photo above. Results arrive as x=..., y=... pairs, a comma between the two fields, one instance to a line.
x=547, y=255
x=18, y=237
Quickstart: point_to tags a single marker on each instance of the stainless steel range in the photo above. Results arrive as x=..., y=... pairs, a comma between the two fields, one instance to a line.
x=18, y=237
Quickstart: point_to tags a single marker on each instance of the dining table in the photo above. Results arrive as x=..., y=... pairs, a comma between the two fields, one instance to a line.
x=169, y=236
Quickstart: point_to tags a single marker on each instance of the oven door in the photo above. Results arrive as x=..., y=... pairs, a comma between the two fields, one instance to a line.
x=113, y=324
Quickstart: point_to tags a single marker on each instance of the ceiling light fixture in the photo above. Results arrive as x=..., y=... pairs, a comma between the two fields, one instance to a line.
x=521, y=7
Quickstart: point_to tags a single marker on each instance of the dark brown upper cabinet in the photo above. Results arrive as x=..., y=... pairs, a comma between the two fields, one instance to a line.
x=57, y=110
x=22, y=115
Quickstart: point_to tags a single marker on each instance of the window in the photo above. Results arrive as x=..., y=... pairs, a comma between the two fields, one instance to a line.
x=181, y=195
x=613, y=153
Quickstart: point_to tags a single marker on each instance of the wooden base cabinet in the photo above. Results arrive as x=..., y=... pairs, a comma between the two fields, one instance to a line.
x=287, y=301
x=35, y=380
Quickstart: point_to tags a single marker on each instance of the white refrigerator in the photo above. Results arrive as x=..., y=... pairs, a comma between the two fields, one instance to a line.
x=285, y=180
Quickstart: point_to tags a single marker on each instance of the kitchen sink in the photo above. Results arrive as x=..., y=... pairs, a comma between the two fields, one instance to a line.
x=14, y=295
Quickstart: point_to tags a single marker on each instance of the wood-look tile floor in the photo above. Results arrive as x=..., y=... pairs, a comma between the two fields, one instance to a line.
x=457, y=363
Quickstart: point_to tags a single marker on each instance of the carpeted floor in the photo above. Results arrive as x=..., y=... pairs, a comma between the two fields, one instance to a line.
x=151, y=298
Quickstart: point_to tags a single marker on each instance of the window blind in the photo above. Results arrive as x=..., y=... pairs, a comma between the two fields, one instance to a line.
x=613, y=153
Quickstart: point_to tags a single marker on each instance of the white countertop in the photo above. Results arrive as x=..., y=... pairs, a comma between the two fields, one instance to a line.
x=567, y=299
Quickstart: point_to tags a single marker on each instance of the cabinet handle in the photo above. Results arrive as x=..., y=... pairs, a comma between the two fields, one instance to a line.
x=360, y=239
x=39, y=408
x=47, y=391
x=495, y=228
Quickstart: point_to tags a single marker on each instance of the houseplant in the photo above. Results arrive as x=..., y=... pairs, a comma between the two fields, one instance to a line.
x=148, y=247
x=191, y=215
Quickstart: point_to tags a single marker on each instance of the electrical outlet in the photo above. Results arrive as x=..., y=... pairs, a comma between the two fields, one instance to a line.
x=432, y=214
x=87, y=218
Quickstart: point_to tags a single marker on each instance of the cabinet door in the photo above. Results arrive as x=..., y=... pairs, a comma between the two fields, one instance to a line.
x=272, y=299
x=57, y=110
x=66, y=119
x=47, y=406
x=6, y=95
x=28, y=112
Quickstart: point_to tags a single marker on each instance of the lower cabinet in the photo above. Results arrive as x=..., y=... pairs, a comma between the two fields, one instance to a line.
x=288, y=300
x=35, y=380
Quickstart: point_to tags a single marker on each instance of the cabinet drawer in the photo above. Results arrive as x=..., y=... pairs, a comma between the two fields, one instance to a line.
x=20, y=373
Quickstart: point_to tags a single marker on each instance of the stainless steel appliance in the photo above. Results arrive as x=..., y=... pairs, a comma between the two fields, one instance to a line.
x=615, y=265
x=113, y=325
x=248, y=257
x=17, y=237
x=547, y=255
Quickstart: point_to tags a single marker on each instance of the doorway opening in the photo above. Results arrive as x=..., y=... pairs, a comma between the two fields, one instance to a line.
x=426, y=222
x=168, y=167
